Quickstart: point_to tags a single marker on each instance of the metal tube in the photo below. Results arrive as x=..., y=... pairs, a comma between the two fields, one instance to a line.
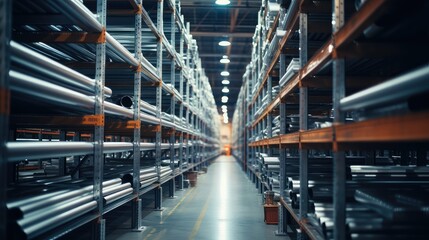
x=120, y=50
x=117, y=195
x=42, y=64
x=389, y=92
x=56, y=220
x=148, y=182
x=47, y=212
x=18, y=151
x=115, y=188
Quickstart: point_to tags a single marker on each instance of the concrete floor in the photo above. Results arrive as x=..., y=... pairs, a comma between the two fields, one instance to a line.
x=224, y=205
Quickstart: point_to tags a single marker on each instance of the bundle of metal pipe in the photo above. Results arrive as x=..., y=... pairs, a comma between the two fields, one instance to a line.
x=399, y=205
x=34, y=215
x=274, y=168
x=18, y=151
x=361, y=220
x=270, y=160
x=116, y=192
x=68, y=99
x=127, y=101
x=295, y=200
x=164, y=173
x=147, y=177
x=401, y=173
x=294, y=184
x=56, y=72
x=167, y=162
x=274, y=182
x=403, y=92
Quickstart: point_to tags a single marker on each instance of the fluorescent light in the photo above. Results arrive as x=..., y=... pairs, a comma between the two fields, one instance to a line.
x=225, y=121
x=225, y=114
x=224, y=110
x=224, y=106
x=222, y=2
x=224, y=43
x=224, y=99
x=225, y=90
x=225, y=60
x=225, y=82
x=224, y=73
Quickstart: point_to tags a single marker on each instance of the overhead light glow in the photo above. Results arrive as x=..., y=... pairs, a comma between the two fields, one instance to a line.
x=224, y=73
x=224, y=99
x=224, y=106
x=225, y=82
x=225, y=90
x=222, y=2
x=224, y=43
x=224, y=110
x=225, y=121
x=225, y=60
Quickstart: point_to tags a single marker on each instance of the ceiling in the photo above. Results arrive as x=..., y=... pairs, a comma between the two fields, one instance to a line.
x=211, y=23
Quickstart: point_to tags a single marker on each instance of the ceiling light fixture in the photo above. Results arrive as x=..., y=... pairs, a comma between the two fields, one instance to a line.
x=225, y=90
x=225, y=82
x=224, y=106
x=224, y=99
x=224, y=73
x=225, y=59
x=224, y=43
x=222, y=2
x=224, y=110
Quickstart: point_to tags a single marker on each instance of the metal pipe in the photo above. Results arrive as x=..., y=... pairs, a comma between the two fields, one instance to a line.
x=47, y=212
x=42, y=64
x=57, y=220
x=115, y=188
x=117, y=195
x=21, y=208
x=18, y=151
x=50, y=92
x=148, y=182
x=393, y=91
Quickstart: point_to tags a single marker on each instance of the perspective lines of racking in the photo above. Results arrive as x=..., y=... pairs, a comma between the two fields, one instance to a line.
x=101, y=102
x=335, y=105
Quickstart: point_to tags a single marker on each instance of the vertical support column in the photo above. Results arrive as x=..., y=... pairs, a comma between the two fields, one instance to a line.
x=172, y=184
x=5, y=30
x=62, y=160
x=338, y=91
x=303, y=112
x=180, y=180
x=136, y=221
x=193, y=137
x=188, y=92
x=76, y=159
x=160, y=11
x=99, y=231
x=270, y=116
x=158, y=199
x=283, y=214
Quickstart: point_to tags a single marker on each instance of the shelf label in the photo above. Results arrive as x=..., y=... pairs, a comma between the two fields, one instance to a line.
x=93, y=120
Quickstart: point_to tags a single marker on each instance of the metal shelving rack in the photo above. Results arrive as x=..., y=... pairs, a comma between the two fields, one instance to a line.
x=102, y=95
x=5, y=29
x=345, y=49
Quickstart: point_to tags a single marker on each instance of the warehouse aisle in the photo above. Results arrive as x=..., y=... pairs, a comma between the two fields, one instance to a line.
x=224, y=205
